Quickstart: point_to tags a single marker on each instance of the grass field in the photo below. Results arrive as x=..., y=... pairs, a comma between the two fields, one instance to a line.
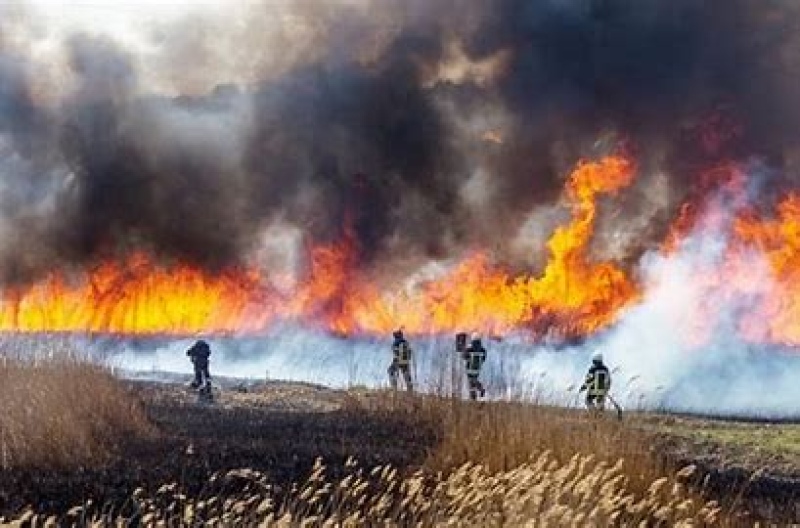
x=298, y=455
x=755, y=440
x=63, y=413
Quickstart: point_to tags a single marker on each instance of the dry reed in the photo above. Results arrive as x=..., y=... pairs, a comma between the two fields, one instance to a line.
x=497, y=464
x=539, y=492
x=62, y=413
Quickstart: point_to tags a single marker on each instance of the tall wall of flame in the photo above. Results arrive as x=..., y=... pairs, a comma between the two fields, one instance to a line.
x=313, y=158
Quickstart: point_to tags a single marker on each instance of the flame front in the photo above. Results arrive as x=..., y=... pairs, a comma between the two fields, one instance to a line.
x=776, y=314
x=139, y=297
x=572, y=297
x=751, y=280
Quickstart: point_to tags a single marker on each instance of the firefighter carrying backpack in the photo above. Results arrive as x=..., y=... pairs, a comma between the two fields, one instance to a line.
x=402, y=353
x=474, y=358
x=600, y=383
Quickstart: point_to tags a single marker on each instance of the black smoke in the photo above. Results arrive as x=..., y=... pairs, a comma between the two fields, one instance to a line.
x=377, y=143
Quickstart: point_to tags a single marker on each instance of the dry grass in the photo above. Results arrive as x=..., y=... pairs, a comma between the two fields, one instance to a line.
x=62, y=413
x=497, y=464
x=503, y=435
x=540, y=492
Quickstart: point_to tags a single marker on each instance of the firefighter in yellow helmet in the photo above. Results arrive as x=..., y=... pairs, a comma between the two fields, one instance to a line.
x=597, y=384
x=474, y=357
x=401, y=361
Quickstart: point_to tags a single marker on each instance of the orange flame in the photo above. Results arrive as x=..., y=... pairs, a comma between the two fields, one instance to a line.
x=572, y=297
x=754, y=282
x=776, y=317
x=138, y=297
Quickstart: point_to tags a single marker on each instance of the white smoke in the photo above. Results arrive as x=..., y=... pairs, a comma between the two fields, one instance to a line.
x=684, y=341
x=297, y=354
x=679, y=349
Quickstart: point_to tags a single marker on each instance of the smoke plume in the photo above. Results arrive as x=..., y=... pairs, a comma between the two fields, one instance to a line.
x=381, y=118
x=417, y=131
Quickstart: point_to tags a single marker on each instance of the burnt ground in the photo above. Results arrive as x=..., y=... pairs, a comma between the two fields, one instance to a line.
x=755, y=462
x=280, y=429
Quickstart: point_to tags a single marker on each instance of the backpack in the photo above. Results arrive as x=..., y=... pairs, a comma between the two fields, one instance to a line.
x=402, y=352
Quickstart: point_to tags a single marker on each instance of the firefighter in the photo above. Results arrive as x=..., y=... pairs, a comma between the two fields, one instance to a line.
x=474, y=356
x=199, y=354
x=401, y=361
x=597, y=384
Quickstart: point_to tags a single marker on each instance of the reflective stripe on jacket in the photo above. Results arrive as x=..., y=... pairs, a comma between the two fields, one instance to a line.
x=475, y=356
x=598, y=380
x=402, y=352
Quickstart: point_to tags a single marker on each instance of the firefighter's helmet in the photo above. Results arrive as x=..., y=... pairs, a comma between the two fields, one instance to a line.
x=597, y=357
x=398, y=334
x=476, y=336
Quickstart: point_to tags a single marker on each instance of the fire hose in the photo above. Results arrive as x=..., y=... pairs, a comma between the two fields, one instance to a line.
x=616, y=406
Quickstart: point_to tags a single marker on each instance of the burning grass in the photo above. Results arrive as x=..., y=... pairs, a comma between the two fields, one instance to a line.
x=574, y=294
x=62, y=413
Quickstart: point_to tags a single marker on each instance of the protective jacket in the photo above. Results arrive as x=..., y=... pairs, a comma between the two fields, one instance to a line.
x=474, y=356
x=598, y=380
x=199, y=353
x=402, y=352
